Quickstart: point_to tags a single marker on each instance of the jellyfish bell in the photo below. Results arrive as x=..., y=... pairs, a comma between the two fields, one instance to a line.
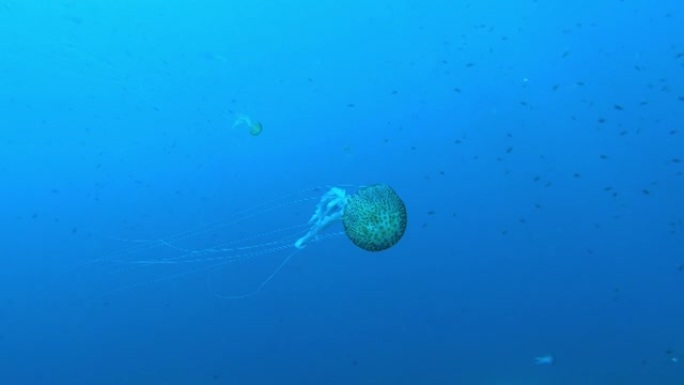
x=256, y=128
x=375, y=218
x=240, y=254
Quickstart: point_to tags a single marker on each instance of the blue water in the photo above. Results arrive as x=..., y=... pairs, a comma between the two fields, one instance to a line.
x=538, y=147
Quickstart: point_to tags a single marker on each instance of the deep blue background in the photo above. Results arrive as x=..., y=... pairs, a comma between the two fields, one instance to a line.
x=538, y=145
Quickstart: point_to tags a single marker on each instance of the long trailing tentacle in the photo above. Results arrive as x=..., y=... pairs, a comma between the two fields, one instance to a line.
x=258, y=288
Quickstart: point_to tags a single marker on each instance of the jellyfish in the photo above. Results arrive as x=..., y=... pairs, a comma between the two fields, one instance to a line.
x=242, y=252
x=254, y=127
x=374, y=218
x=545, y=360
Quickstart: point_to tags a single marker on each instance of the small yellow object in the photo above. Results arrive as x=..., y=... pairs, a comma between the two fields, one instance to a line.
x=255, y=128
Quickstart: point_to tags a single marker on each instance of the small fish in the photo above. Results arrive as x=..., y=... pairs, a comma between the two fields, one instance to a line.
x=544, y=360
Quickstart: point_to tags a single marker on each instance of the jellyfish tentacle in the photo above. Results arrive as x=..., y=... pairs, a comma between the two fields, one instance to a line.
x=372, y=217
x=258, y=288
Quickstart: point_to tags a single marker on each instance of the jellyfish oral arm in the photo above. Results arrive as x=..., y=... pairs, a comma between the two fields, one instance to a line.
x=242, y=119
x=328, y=210
x=320, y=225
